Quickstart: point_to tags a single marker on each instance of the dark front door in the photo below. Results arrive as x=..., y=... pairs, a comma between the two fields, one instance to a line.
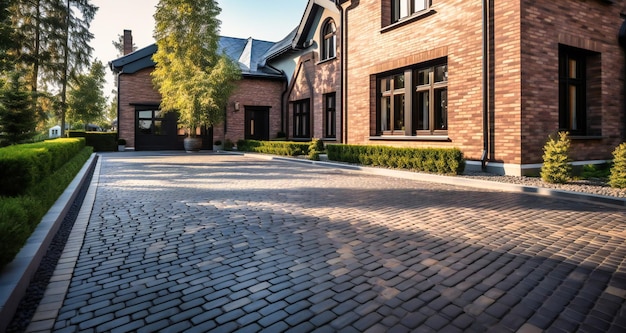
x=257, y=123
x=156, y=130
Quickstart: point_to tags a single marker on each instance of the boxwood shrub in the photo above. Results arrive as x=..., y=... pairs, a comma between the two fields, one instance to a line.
x=432, y=160
x=22, y=166
x=282, y=148
x=20, y=215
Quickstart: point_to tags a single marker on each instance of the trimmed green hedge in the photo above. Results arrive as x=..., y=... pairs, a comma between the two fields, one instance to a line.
x=100, y=141
x=22, y=166
x=433, y=160
x=282, y=148
x=19, y=216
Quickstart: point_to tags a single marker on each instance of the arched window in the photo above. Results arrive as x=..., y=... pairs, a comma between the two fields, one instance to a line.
x=329, y=40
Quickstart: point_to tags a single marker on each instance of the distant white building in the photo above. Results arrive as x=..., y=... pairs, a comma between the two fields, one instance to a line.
x=54, y=132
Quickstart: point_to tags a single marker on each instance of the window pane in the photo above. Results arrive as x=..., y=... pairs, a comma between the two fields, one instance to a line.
x=404, y=8
x=159, y=129
x=441, y=73
x=398, y=81
x=423, y=76
x=419, y=5
x=572, y=108
x=145, y=114
x=441, y=109
x=421, y=112
x=572, y=69
x=385, y=116
x=145, y=126
x=159, y=114
x=398, y=112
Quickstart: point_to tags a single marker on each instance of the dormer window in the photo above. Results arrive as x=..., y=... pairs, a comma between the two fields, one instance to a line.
x=329, y=40
x=405, y=8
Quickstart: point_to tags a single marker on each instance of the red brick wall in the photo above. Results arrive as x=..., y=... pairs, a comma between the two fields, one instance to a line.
x=251, y=92
x=314, y=78
x=525, y=71
x=452, y=31
x=137, y=88
x=134, y=88
x=590, y=25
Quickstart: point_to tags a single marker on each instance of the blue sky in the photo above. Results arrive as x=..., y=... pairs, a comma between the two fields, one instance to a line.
x=261, y=19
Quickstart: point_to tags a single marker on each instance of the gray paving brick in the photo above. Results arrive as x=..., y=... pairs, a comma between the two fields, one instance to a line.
x=91, y=323
x=349, y=251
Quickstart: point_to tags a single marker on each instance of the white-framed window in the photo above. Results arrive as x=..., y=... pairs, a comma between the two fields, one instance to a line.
x=405, y=8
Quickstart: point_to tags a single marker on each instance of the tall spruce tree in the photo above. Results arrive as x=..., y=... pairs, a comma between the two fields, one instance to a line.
x=70, y=47
x=7, y=32
x=17, y=120
x=191, y=76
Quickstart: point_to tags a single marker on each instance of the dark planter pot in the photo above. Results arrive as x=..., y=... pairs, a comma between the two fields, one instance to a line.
x=192, y=144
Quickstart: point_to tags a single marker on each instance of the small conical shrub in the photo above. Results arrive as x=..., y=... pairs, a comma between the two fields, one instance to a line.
x=556, y=167
x=618, y=171
x=315, y=149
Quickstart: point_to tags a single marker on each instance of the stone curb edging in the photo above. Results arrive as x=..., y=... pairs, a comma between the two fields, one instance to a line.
x=16, y=276
x=459, y=181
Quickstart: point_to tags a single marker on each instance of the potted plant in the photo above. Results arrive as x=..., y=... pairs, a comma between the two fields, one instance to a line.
x=121, y=144
x=217, y=145
x=193, y=78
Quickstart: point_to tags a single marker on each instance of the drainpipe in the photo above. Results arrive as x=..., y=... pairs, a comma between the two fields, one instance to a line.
x=622, y=43
x=282, y=98
x=118, y=103
x=485, y=15
x=344, y=66
x=343, y=125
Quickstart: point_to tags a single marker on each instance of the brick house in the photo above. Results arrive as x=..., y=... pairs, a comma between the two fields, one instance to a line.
x=254, y=110
x=310, y=57
x=493, y=78
x=413, y=76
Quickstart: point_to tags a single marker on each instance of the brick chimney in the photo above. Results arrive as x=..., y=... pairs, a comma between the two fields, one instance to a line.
x=128, y=42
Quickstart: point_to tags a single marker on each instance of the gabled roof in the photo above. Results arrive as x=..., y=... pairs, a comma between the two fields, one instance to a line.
x=135, y=61
x=308, y=19
x=248, y=53
x=297, y=38
x=281, y=46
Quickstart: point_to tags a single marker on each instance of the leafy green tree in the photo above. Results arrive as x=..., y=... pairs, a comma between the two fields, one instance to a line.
x=86, y=101
x=17, y=120
x=556, y=167
x=191, y=76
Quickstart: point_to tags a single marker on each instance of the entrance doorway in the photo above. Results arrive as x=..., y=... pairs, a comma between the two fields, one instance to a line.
x=257, y=119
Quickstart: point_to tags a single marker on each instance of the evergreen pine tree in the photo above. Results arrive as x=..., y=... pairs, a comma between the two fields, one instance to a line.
x=70, y=46
x=618, y=171
x=556, y=167
x=17, y=120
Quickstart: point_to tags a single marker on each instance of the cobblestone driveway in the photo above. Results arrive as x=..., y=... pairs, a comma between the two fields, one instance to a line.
x=225, y=243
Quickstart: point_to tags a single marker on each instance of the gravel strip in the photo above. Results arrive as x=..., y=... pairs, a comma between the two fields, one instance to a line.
x=592, y=186
x=35, y=291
